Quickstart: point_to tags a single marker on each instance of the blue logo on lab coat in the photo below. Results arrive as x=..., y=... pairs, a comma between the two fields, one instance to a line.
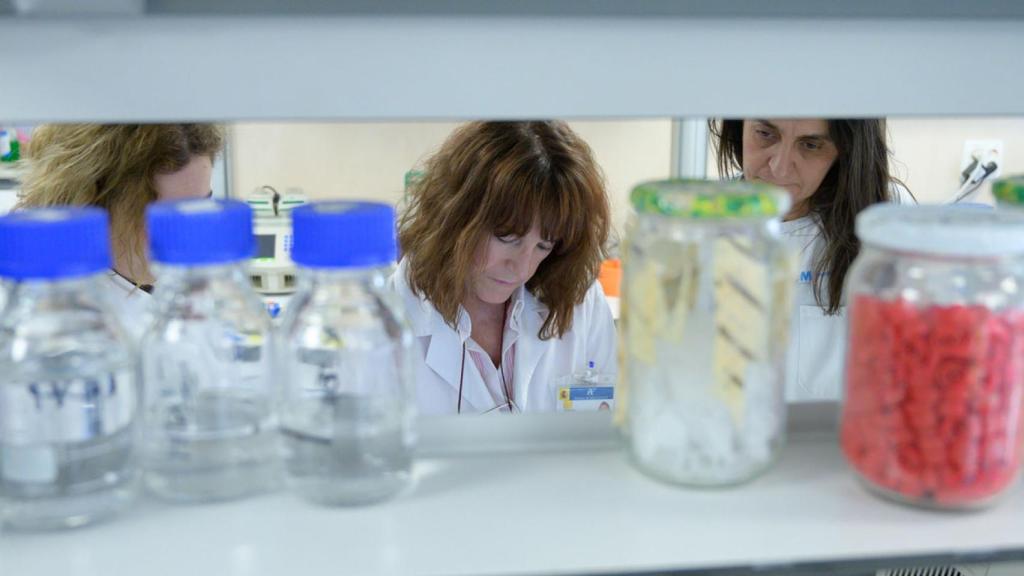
x=807, y=276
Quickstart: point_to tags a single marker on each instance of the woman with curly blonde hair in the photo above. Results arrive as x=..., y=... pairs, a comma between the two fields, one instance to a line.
x=502, y=240
x=121, y=168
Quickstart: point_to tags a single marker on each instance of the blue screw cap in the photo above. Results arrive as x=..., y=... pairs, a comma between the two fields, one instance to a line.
x=343, y=234
x=54, y=243
x=203, y=231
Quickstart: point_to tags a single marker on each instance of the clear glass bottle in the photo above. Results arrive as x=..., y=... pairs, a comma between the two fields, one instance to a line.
x=935, y=363
x=68, y=374
x=705, y=318
x=346, y=350
x=210, y=431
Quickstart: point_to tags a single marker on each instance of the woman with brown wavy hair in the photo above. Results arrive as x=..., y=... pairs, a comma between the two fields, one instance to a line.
x=121, y=168
x=502, y=240
x=833, y=169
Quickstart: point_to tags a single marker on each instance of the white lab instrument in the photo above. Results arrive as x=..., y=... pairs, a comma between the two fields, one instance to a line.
x=271, y=270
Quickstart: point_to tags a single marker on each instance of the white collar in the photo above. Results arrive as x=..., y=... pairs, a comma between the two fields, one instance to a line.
x=427, y=321
x=528, y=314
x=803, y=226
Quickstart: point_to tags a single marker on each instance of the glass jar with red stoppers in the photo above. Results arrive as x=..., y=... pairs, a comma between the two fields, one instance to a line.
x=932, y=409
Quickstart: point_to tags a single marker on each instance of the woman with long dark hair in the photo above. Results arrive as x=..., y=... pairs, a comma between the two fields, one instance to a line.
x=833, y=169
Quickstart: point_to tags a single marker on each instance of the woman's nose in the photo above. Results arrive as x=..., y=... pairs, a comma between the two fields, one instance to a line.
x=519, y=260
x=780, y=162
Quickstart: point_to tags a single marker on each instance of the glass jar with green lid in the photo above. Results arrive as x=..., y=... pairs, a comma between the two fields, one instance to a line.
x=1009, y=192
x=705, y=321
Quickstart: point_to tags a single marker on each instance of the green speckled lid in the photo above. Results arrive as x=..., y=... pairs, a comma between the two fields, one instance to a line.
x=1009, y=190
x=706, y=199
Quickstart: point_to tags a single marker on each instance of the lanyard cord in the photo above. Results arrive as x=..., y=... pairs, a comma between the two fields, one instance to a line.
x=505, y=386
x=462, y=374
x=147, y=288
x=501, y=366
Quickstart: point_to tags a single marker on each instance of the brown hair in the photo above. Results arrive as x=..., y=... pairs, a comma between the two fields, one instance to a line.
x=858, y=178
x=112, y=166
x=498, y=178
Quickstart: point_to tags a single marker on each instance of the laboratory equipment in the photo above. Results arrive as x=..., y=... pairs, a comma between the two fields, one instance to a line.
x=210, y=428
x=68, y=389
x=705, y=318
x=272, y=271
x=346, y=359
x=935, y=364
x=10, y=145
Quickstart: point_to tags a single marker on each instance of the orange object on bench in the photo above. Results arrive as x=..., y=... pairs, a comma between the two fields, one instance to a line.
x=610, y=276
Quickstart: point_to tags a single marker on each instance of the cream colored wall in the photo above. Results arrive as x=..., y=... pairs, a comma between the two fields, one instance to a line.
x=351, y=160
x=369, y=160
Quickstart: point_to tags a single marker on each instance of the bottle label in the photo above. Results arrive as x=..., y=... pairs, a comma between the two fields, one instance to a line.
x=60, y=411
x=324, y=372
x=186, y=369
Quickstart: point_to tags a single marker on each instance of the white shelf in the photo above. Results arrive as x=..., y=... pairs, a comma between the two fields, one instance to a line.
x=574, y=507
x=407, y=66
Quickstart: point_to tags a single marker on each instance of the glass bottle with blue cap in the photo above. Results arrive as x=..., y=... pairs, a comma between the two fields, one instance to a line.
x=210, y=430
x=68, y=388
x=348, y=411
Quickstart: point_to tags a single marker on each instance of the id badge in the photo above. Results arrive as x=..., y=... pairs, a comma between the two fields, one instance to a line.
x=585, y=398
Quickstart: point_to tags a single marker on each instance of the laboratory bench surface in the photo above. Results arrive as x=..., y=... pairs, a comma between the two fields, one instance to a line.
x=543, y=494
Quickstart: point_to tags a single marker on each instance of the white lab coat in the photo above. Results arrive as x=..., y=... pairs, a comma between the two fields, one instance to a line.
x=132, y=305
x=817, y=343
x=129, y=305
x=815, y=361
x=539, y=364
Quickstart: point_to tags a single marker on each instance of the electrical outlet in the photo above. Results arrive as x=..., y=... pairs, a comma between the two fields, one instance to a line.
x=983, y=151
